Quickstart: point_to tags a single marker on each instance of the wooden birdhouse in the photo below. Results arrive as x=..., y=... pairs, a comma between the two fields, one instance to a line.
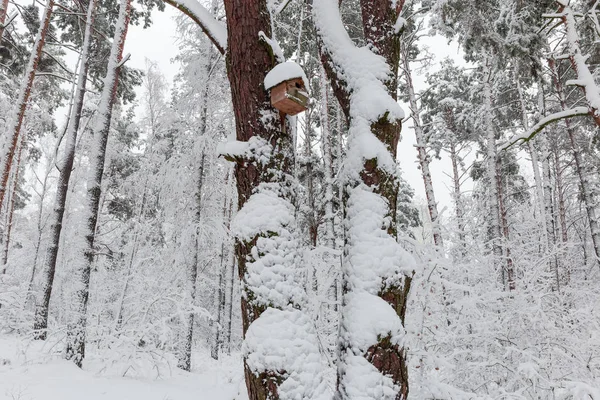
x=287, y=83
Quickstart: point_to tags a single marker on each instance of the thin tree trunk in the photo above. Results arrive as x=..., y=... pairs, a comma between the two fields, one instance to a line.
x=76, y=334
x=587, y=194
x=9, y=141
x=231, y=279
x=3, y=14
x=11, y=207
x=41, y=313
x=327, y=161
x=560, y=191
x=495, y=232
x=313, y=227
x=458, y=204
x=421, y=145
x=585, y=78
x=510, y=272
x=185, y=360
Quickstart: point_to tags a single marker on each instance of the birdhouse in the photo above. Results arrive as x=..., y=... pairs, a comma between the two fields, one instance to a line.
x=287, y=83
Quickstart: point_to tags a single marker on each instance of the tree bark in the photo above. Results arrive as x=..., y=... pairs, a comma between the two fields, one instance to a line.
x=586, y=192
x=3, y=14
x=494, y=228
x=41, y=313
x=379, y=18
x=76, y=334
x=8, y=142
x=458, y=204
x=11, y=207
x=421, y=145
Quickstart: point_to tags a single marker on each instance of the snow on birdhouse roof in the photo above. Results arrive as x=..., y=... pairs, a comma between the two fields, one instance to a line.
x=284, y=72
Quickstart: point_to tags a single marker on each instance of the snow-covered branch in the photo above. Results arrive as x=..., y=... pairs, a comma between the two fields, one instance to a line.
x=534, y=130
x=215, y=30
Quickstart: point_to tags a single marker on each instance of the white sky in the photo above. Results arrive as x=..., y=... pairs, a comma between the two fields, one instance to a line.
x=158, y=43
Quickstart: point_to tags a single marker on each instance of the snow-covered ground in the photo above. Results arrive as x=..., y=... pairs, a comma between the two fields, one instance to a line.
x=35, y=371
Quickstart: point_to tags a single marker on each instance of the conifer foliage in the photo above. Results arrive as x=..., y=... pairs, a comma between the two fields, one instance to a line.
x=150, y=225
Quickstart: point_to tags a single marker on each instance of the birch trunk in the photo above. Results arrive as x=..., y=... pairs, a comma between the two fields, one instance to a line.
x=9, y=140
x=421, y=146
x=76, y=334
x=41, y=313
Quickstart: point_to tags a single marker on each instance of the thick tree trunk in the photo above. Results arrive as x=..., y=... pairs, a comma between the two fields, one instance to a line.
x=76, y=334
x=41, y=312
x=371, y=181
x=8, y=141
x=259, y=179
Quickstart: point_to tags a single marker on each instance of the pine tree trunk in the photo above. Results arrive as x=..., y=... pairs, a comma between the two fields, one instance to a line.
x=510, y=272
x=76, y=334
x=3, y=14
x=494, y=229
x=9, y=140
x=586, y=192
x=376, y=184
x=327, y=162
x=41, y=313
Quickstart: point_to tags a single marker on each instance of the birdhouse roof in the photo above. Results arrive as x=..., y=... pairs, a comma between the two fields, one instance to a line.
x=285, y=72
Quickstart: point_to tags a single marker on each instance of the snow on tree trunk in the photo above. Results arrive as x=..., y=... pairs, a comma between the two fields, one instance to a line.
x=585, y=78
x=550, y=221
x=9, y=140
x=421, y=146
x=510, y=272
x=11, y=207
x=327, y=162
x=185, y=356
x=495, y=233
x=377, y=271
x=281, y=351
x=458, y=203
x=534, y=158
x=47, y=280
x=586, y=192
x=76, y=333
